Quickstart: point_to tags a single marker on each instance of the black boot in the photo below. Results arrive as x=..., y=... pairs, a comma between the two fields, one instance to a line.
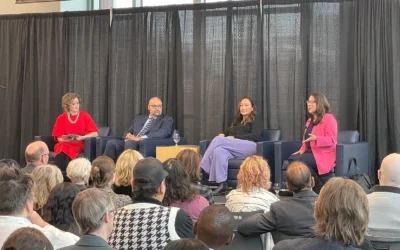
x=222, y=189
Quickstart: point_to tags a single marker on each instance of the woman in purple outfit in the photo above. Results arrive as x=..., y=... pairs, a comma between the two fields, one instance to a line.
x=238, y=141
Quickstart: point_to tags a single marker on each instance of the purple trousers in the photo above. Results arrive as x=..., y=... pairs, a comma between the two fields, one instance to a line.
x=220, y=150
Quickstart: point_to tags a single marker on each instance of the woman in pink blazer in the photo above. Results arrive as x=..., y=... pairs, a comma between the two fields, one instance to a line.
x=318, y=150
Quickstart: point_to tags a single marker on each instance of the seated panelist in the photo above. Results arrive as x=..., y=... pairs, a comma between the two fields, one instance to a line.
x=154, y=125
x=70, y=130
x=238, y=141
x=318, y=150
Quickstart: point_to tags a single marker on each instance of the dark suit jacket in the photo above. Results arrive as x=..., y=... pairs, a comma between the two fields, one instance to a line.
x=89, y=241
x=28, y=169
x=293, y=216
x=162, y=127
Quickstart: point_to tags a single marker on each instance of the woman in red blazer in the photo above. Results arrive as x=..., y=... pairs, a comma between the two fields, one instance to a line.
x=318, y=150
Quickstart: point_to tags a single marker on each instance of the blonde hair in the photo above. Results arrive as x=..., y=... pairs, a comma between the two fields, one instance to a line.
x=67, y=99
x=45, y=177
x=79, y=170
x=190, y=160
x=103, y=169
x=254, y=172
x=124, y=167
x=342, y=212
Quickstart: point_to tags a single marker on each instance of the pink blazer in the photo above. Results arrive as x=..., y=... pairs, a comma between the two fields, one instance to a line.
x=324, y=148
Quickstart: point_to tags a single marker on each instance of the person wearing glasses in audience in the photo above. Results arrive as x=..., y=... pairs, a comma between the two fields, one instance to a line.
x=94, y=213
x=154, y=125
x=318, y=150
x=36, y=154
x=70, y=130
x=238, y=141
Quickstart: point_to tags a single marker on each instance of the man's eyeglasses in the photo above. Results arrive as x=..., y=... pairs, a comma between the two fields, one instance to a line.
x=112, y=212
x=156, y=106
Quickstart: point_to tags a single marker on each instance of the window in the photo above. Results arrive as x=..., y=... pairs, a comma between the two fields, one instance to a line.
x=165, y=2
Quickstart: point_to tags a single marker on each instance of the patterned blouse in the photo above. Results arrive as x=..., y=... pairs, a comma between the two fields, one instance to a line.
x=119, y=200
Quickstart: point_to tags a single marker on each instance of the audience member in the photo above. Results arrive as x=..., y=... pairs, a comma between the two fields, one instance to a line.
x=103, y=176
x=78, y=171
x=384, y=205
x=58, y=209
x=186, y=244
x=16, y=209
x=253, y=192
x=123, y=172
x=179, y=191
x=215, y=227
x=154, y=125
x=9, y=163
x=27, y=238
x=147, y=224
x=70, y=130
x=45, y=177
x=341, y=214
x=36, y=154
x=292, y=216
x=94, y=213
x=191, y=160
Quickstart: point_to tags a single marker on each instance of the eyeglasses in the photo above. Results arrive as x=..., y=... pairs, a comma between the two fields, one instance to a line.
x=112, y=212
x=156, y=106
x=46, y=154
x=310, y=102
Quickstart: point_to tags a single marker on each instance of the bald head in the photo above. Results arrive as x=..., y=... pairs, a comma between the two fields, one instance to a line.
x=155, y=106
x=37, y=153
x=389, y=173
x=298, y=177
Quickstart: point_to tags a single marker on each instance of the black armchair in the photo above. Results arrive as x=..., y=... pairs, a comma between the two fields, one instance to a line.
x=268, y=137
x=348, y=147
x=90, y=144
x=147, y=147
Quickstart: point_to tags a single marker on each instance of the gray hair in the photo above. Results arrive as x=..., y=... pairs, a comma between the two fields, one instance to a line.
x=89, y=208
x=79, y=170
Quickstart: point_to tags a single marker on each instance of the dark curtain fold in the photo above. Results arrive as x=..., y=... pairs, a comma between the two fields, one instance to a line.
x=201, y=60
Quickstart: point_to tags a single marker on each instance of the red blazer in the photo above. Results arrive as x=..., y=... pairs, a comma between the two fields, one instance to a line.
x=324, y=148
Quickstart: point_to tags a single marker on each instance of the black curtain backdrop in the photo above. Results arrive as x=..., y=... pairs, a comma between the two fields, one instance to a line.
x=201, y=60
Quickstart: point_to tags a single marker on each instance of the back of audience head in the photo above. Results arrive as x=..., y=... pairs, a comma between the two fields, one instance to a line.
x=45, y=177
x=9, y=163
x=215, y=226
x=27, y=238
x=254, y=173
x=124, y=166
x=341, y=212
x=16, y=194
x=78, y=171
x=58, y=209
x=177, y=183
x=93, y=211
x=389, y=173
x=103, y=172
x=299, y=177
x=190, y=160
x=148, y=179
x=186, y=244
x=37, y=153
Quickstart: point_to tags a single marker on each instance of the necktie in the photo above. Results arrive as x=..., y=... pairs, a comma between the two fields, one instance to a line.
x=146, y=127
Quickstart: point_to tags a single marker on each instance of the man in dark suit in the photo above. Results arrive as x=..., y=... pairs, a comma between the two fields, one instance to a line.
x=292, y=217
x=154, y=125
x=36, y=154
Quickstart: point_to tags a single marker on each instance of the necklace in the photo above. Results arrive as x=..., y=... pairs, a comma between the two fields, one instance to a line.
x=70, y=120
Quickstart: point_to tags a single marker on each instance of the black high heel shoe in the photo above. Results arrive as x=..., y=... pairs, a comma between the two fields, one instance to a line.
x=222, y=189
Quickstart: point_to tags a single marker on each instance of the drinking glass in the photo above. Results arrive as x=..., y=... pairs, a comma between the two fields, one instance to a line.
x=277, y=188
x=176, y=137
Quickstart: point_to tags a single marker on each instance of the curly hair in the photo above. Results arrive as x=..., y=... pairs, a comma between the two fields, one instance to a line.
x=45, y=177
x=238, y=119
x=67, y=99
x=322, y=106
x=103, y=169
x=124, y=167
x=342, y=212
x=58, y=209
x=254, y=172
x=177, y=182
x=78, y=170
x=190, y=160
